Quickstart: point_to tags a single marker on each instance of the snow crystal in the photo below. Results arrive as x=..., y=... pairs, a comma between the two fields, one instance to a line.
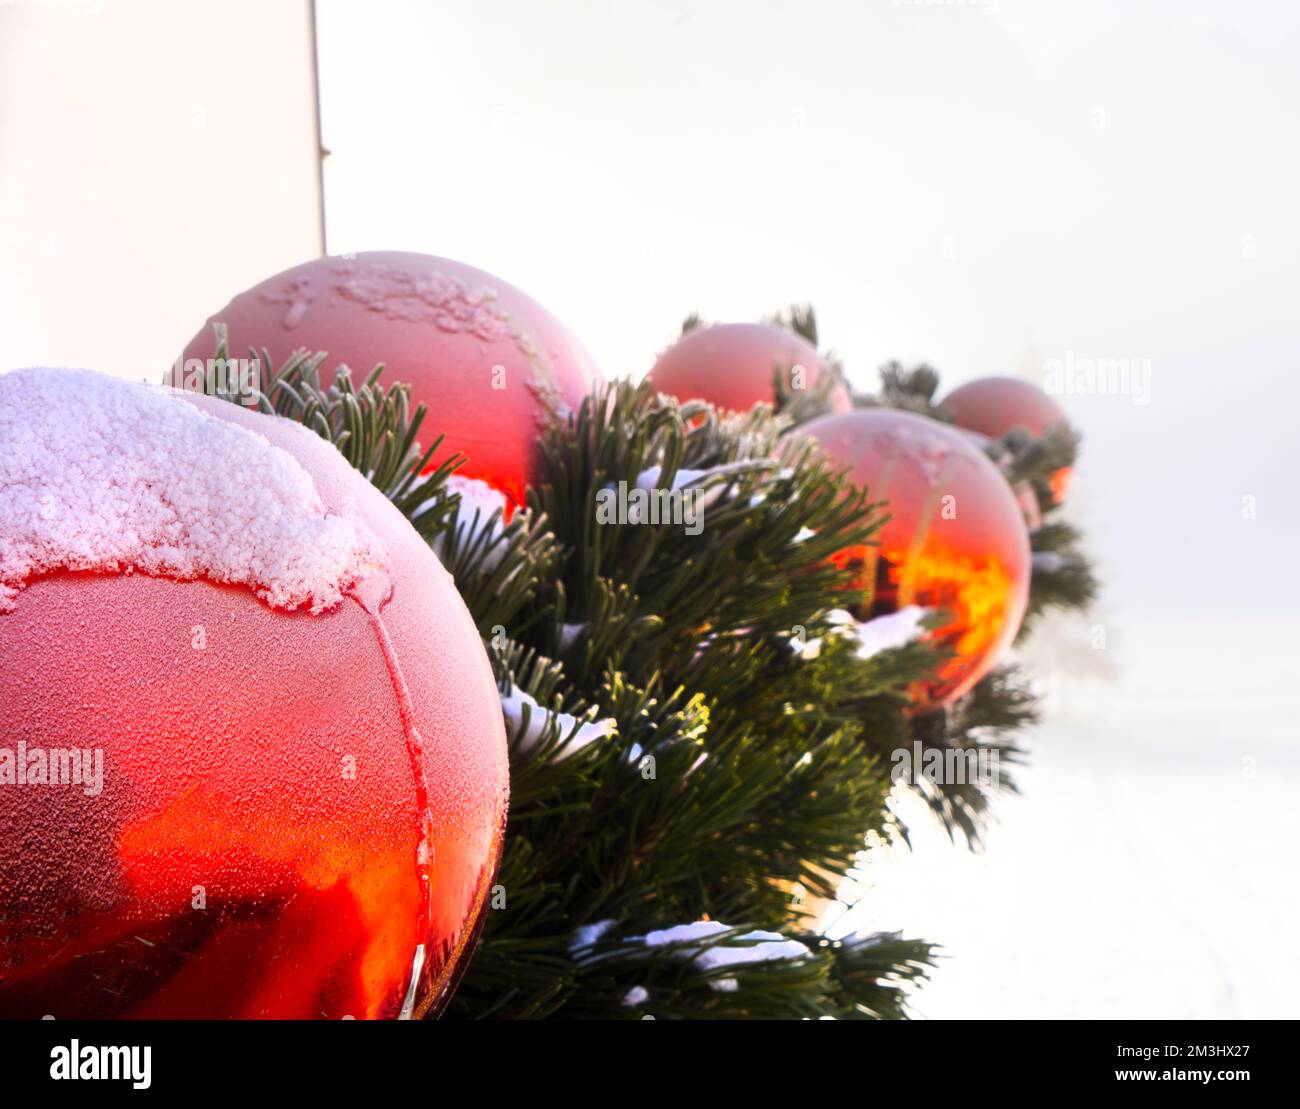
x=740, y=950
x=884, y=633
x=785, y=473
x=571, y=633
x=577, y=734
x=648, y=479
x=1050, y=562
x=476, y=515
x=896, y=629
x=586, y=936
x=104, y=475
x=687, y=940
x=684, y=933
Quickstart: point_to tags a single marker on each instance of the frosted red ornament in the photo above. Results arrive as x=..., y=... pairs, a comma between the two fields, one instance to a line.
x=994, y=406
x=733, y=366
x=955, y=539
x=302, y=773
x=489, y=361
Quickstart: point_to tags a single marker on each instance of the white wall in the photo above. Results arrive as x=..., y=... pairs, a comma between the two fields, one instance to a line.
x=156, y=156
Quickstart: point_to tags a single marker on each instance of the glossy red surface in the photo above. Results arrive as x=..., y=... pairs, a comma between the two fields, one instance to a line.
x=488, y=360
x=288, y=811
x=956, y=539
x=732, y=366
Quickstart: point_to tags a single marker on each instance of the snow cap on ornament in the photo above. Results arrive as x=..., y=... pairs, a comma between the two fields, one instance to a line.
x=734, y=366
x=96, y=477
x=256, y=751
x=491, y=364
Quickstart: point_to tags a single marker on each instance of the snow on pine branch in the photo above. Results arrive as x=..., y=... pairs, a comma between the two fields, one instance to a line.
x=744, y=949
x=522, y=712
x=1052, y=562
x=480, y=513
x=705, y=944
x=884, y=633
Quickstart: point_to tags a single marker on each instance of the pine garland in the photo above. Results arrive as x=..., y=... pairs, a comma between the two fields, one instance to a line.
x=679, y=753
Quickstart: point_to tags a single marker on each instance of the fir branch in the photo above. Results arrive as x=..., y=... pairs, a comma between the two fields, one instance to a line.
x=801, y=319
x=976, y=731
x=373, y=428
x=911, y=389
x=736, y=766
x=1062, y=575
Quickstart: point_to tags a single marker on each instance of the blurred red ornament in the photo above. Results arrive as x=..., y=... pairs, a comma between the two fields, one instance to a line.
x=488, y=360
x=994, y=406
x=733, y=366
x=955, y=539
x=290, y=774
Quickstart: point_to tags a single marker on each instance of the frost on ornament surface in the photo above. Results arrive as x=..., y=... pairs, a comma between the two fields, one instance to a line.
x=304, y=771
x=104, y=476
x=492, y=365
x=448, y=302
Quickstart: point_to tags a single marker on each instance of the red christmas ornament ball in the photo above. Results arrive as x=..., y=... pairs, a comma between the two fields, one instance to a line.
x=488, y=360
x=733, y=366
x=955, y=539
x=994, y=406
x=254, y=762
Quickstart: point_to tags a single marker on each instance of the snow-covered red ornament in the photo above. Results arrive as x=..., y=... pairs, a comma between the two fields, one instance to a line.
x=489, y=361
x=253, y=760
x=994, y=406
x=734, y=366
x=955, y=540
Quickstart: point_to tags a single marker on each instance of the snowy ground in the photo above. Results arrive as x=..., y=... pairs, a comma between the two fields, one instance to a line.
x=1149, y=870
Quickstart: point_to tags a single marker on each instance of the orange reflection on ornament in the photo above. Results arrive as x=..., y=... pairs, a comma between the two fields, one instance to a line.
x=1060, y=483
x=975, y=593
x=955, y=540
